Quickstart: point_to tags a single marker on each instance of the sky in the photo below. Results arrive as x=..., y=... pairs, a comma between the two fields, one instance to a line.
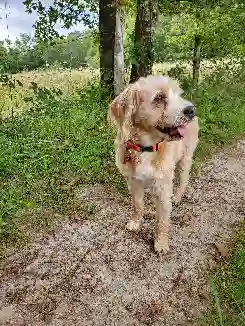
x=14, y=20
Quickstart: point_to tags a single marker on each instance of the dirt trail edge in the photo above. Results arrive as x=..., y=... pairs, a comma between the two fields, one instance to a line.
x=94, y=272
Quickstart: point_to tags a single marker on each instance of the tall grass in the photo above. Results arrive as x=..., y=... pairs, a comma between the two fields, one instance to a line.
x=12, y=100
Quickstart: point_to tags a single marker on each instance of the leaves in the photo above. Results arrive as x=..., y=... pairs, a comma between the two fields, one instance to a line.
x=220, y=25
x=69, y=12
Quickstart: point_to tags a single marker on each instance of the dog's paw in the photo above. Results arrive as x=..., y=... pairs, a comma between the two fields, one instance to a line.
x=133, y=225
x=161, y=245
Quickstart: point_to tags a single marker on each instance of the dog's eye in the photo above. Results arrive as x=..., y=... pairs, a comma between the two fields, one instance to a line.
x=160, y=98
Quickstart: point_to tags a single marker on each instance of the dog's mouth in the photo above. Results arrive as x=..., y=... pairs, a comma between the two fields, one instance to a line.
x=174, y=132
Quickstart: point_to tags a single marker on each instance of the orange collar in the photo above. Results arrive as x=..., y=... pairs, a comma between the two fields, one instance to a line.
x=138, y=148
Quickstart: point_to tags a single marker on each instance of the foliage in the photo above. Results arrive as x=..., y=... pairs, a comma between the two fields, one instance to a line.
x=42, y=98
x=22, y=54
x=128, y=40
x=220, y=30
x=69, y=12
x=77, y=50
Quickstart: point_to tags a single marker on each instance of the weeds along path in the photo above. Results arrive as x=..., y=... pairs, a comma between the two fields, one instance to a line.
x=91, y=271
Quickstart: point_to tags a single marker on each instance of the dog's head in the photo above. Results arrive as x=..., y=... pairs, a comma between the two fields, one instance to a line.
x=153, y=103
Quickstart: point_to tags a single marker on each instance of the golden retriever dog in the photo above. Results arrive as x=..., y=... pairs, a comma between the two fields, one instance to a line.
x=157, y=133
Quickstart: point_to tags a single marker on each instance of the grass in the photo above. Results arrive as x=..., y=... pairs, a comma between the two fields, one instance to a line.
x=65, y=140
x=222, y=116
x=228, y=289
x=42, y=151
x=217, y=302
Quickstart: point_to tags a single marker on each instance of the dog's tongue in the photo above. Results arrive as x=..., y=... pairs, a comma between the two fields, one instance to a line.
x=178, y=131
x=181, y=130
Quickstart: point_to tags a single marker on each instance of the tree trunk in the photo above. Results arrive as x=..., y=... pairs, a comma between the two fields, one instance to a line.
x=143, y=54
x=107, y=24
x=119, y=53
x=196, y=59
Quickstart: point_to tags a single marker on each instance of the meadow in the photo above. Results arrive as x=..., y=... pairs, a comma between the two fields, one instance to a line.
x=54, y=135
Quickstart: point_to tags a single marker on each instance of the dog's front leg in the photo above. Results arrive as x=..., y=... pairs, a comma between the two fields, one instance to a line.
x=183, y=178
x=163, y=190
x=137, y=190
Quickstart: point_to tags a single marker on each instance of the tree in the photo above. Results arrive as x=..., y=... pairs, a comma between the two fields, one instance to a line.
x=143, y=50
x=119, y=50
x=107, y=23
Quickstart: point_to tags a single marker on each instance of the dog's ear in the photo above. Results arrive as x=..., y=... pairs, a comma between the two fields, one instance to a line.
x=174, y=84
x=134, y=100
x=124, y=106
x=116, y=110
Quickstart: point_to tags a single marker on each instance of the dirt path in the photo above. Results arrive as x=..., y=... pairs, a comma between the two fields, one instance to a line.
x=94, y=272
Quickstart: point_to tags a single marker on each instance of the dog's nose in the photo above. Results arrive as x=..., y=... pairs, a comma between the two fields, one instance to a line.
x=189, y=111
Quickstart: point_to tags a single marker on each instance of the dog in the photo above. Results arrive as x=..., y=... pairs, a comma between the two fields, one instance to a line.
x=157, y=133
